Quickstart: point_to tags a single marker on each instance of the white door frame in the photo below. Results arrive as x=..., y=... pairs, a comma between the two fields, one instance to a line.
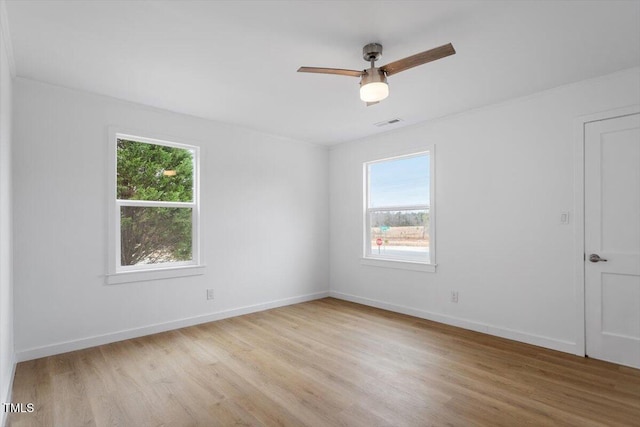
x=578, y=209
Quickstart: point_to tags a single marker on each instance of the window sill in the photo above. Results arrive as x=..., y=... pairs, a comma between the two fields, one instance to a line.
x=158, y=274
x=402, y=265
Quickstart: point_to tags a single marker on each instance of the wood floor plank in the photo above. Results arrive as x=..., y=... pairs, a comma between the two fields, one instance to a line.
x=69, y=388
x=324, y=363
x=32, y=383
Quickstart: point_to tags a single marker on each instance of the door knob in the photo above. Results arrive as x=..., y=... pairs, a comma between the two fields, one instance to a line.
x=596, y=258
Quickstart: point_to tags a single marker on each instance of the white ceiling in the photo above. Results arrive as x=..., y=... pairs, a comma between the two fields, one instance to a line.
x=236, y=61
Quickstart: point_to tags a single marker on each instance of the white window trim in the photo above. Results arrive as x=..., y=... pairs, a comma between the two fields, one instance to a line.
x=371, y=259
x=399, y=264
x=116, y=273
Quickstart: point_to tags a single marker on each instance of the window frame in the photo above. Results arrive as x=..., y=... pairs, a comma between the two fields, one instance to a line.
x=117, y=273
x=372, y=259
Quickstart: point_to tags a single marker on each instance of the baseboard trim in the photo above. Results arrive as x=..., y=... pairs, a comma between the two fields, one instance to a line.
x=79, y=344
x=7, y=393
x=538, y=340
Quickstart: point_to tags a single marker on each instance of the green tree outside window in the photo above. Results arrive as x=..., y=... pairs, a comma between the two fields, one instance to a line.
x=157, y=173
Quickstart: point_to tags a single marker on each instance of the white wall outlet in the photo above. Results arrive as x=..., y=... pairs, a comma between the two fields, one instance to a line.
x=209, y=293
x=454, y=296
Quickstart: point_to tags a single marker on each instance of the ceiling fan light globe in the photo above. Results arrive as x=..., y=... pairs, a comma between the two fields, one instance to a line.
x=374, y=91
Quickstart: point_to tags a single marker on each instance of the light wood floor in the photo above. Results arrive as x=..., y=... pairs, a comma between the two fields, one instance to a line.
x=324, y=363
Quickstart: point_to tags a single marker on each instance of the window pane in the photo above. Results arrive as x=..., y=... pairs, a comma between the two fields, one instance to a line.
x=154, y=172
x=155, y=235
x=400, y=234
x=400, y=182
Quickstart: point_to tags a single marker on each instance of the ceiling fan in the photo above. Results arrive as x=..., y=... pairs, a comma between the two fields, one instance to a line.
x=373, y=81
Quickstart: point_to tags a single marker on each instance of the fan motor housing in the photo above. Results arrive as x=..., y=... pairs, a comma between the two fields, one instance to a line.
x=372, y=52
x=373, y=76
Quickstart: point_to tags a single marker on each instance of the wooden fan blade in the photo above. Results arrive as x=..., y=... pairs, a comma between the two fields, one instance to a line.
x=418, y=59
x=338, y=71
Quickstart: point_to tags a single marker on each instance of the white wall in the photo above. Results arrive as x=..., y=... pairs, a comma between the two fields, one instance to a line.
x=6, y=275
x=504, y=174
x=264, y=223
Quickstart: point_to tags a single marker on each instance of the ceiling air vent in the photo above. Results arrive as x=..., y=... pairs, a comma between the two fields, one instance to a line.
x=387, y=122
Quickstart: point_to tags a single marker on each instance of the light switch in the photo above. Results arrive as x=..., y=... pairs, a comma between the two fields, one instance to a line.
x=564, y=218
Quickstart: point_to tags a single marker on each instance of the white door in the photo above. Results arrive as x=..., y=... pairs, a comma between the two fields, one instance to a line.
x=612, y=239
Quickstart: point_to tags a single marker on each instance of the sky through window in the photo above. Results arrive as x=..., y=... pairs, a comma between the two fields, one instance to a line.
x=401, y=182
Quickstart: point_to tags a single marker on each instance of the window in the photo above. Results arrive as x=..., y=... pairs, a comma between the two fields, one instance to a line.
x=399, y=212
x=155, y=209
